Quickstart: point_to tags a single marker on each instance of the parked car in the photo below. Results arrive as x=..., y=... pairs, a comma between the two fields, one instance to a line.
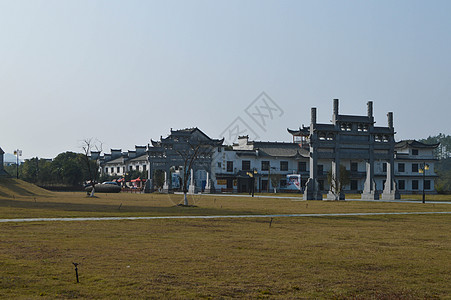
x=105, y=187
x=110, y=182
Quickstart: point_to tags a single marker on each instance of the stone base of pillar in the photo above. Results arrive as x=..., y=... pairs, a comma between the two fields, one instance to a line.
x=373, y=195
x=393, y=195
x=312, y=191
x=207, y=189
x=165, y=188
x=148, y=187
x=333, y=196
x=191, y=189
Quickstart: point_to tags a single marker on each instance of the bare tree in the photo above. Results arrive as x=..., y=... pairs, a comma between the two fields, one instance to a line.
x=275, y=180
x=197, y=151
x=337, y=184
x=89, y=145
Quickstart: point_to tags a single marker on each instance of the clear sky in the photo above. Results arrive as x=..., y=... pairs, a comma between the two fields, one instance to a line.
x=125, y=72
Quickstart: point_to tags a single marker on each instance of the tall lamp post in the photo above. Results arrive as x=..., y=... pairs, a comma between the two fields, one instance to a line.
x=17, y=153
x=252, y=176
x=423, y=167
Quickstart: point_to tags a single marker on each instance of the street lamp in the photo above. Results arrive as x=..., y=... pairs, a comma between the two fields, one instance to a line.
x=423, y=167
x=252, y=176
x=17, y=153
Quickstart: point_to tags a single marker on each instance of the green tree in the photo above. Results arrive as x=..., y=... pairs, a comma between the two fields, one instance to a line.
x=12, y=169
x=67, y=168
x=443, y=165
x=45, y=172
x=443, y=151
x=443, y=170
x=30, y=170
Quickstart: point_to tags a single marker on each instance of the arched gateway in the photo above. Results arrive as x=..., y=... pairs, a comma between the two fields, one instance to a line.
x=189, y=150
x=349, y=138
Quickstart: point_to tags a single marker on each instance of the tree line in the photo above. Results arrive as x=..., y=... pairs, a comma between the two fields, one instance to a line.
x=66, y=169
x=443, y=165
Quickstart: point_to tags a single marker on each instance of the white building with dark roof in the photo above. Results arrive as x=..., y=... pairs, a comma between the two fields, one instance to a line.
x=232, y=165
x=377, y=165
x=411, y=157
x=118, y=163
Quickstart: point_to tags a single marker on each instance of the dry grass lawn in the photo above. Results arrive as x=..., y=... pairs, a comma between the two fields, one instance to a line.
x=381, y=257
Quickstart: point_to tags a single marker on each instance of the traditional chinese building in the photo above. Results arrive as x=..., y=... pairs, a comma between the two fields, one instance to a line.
x=376, y=166
x=118, y=163
x=261, y=163
x=352, y=139
x=415, y=166
x=188, y=150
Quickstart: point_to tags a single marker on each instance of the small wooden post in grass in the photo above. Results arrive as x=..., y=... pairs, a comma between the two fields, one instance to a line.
x=76, y=270
x=270, y=223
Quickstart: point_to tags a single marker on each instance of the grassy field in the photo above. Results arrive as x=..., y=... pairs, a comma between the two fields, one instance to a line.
x=381, y=257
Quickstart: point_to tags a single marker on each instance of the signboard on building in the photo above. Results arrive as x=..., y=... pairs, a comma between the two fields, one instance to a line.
x=294, y=182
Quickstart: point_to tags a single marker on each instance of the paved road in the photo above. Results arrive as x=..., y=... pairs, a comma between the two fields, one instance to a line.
x=217, y=217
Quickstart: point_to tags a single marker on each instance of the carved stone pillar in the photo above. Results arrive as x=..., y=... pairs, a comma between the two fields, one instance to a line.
x=390, y=191
x=208, y=185
x=192, y=187
x=166, y=182
x=149, y=188
x=312, y=191
x=369, y=189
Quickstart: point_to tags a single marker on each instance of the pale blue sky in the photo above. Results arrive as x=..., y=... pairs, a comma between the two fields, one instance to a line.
x=125, y=72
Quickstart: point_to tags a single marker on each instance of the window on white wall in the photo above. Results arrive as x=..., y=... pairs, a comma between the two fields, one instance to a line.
x=283, y=166
x=302, y=166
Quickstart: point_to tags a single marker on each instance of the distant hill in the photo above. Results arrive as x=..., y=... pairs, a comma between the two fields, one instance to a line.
x=11, y=187
x=9, y=158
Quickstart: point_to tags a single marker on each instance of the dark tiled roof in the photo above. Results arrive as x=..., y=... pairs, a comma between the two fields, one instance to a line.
x=415, y=144
x=118, y=160
x=300, y=131
x=275, y=149
x=378, y=129
x=328, y=127
x=284, y=152
x=139, y=158
x=354, y=119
